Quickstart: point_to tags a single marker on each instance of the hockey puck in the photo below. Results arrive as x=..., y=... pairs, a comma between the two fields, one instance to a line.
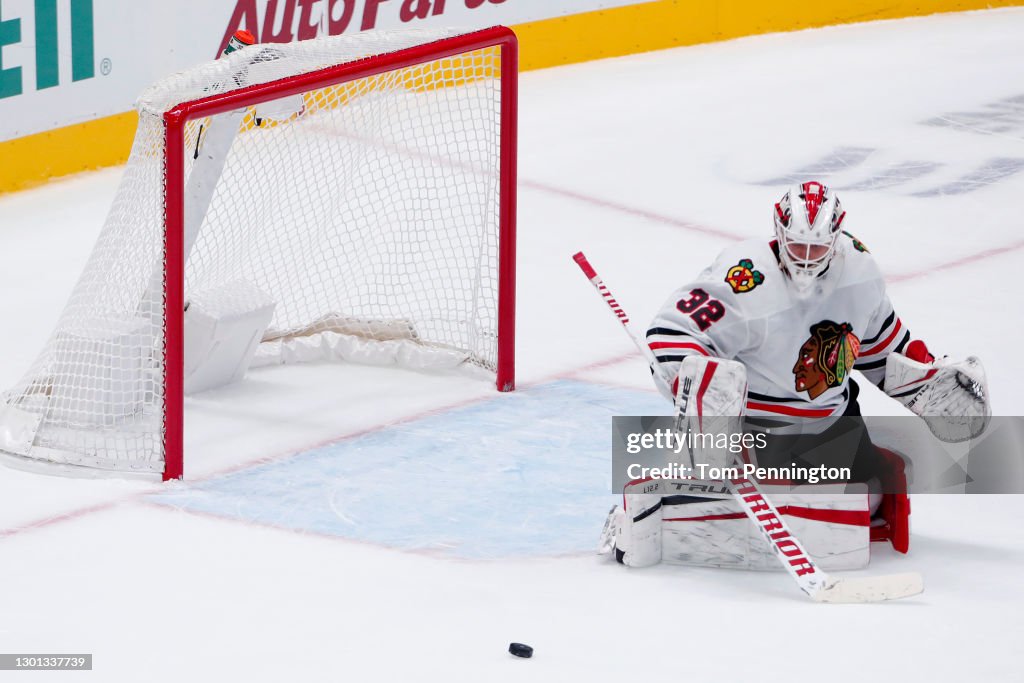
x=520, y=650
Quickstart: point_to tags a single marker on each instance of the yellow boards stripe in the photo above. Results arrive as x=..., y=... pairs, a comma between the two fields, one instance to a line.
x=35, y=159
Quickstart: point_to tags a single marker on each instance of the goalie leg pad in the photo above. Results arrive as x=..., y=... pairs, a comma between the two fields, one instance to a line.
x=710, y=529
x=697, y=522
x=637, y=526
x=711, y=395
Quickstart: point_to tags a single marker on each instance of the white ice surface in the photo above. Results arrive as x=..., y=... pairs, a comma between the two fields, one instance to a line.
x=650, y=164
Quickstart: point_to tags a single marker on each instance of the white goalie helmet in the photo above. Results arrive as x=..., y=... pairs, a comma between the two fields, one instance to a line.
x=807, y=221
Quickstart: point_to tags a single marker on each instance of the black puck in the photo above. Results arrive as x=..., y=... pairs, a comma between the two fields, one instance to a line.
x=520, y=650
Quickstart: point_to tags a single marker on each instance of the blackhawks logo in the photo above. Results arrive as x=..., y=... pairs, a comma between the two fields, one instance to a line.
x=826, y=358
x=857, y=244
x=742, y=277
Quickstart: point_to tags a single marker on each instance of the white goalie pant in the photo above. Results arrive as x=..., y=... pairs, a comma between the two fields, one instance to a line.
x=694, y=522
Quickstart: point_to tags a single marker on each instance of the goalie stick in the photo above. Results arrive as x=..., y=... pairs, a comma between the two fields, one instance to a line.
x=790, y=552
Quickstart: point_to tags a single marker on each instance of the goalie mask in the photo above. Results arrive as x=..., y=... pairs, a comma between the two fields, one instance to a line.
x=807, y=221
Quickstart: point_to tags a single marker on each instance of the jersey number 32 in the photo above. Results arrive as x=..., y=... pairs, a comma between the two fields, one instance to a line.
x=701, y=308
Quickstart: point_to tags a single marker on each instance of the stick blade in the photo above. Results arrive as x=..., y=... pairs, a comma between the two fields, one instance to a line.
x=870, y=588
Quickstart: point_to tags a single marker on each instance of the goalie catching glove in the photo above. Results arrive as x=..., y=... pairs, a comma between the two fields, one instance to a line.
x=950, y=395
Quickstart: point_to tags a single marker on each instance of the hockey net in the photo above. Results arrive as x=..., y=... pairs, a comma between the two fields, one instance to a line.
x=364, y=184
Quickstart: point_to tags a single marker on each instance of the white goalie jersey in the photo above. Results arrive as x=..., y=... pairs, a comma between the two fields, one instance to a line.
x=798, y=351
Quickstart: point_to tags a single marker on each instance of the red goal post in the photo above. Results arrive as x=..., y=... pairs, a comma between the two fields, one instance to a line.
x=177, y=118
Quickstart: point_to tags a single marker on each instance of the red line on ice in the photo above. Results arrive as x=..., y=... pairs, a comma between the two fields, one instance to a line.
x=957, y=263
x=631, y=210
x=734, y=237
x=62, y=517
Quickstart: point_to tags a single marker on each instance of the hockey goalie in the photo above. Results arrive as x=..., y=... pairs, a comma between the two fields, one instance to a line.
x=785, y=322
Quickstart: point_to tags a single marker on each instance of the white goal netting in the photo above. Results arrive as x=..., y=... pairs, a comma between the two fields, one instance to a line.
x=364, y=214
